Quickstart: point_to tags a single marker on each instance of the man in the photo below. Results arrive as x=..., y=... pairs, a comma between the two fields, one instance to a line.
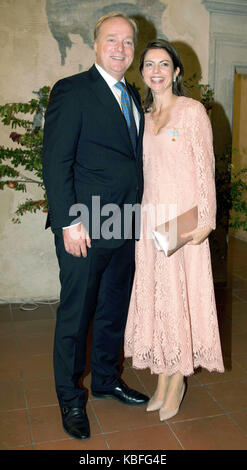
x=93, y=149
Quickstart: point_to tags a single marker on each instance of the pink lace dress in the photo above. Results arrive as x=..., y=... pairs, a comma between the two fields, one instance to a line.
x=172, y=322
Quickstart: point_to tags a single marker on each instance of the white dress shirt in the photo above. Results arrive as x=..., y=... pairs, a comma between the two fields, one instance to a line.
x=111, y=81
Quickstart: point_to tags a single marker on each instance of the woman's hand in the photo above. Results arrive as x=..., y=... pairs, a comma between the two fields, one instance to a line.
x=198, y=235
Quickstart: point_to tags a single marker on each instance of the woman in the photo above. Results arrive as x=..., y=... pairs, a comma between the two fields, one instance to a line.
x=172, y=323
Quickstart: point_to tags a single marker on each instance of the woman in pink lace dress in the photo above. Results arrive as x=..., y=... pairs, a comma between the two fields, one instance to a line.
x=172, y=324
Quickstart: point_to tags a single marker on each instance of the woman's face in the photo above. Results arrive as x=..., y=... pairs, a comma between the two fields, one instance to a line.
x=158, y=71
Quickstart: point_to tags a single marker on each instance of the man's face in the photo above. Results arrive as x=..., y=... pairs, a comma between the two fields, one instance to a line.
x=114, y=46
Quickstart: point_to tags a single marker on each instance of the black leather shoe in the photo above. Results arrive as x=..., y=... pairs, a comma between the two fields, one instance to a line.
x=75, y=422
x=124, y=394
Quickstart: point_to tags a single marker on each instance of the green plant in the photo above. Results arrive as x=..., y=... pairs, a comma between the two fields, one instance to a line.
x=203, y=92
x=238, y=218
x=27, y=156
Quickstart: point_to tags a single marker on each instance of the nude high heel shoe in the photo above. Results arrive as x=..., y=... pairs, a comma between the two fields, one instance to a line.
x=165, y=414
x=154, y=404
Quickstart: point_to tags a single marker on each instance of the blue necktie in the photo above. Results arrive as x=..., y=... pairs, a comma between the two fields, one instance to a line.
x=128, y=112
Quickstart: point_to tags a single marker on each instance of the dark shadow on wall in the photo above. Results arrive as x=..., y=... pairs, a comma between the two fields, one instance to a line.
x=222, y=143
x=222, y=146
x=222, y=138
x=192, y=69
x=146, y=33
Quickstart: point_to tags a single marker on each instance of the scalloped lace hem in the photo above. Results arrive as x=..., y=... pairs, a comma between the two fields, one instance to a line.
x=186, y=372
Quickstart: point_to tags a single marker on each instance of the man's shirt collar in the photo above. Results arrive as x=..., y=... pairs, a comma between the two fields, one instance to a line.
x=110, y=80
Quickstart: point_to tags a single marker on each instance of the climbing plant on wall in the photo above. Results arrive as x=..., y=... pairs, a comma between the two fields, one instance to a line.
x=22, y=165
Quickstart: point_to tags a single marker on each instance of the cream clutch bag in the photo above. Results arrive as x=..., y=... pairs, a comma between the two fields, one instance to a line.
x=167, y=236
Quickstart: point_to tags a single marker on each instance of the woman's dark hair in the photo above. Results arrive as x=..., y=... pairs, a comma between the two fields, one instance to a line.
x=177, y=87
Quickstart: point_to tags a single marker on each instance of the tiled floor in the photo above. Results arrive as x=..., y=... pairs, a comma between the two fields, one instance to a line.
x=213, y=414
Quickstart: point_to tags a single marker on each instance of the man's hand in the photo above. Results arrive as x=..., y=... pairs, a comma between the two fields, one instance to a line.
x=198, y=235
x=76, y=240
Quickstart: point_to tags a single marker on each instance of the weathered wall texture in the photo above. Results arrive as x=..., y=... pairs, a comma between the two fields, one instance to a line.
x=42, y=41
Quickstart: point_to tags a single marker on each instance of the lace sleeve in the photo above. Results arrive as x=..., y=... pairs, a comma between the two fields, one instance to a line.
x=202, y=146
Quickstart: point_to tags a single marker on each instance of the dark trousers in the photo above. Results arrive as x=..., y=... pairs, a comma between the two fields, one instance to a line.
x=98, y=285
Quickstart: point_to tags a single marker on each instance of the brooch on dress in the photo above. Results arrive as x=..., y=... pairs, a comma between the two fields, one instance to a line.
x=174, y=133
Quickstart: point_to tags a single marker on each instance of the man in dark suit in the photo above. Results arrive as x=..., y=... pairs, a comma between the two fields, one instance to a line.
x=92, y=157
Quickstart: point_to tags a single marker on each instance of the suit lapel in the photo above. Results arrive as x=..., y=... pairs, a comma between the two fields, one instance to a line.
x=112, y=109
x=141, y=123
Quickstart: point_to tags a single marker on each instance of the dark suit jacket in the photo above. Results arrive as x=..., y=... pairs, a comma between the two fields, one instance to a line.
x=87, y=150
